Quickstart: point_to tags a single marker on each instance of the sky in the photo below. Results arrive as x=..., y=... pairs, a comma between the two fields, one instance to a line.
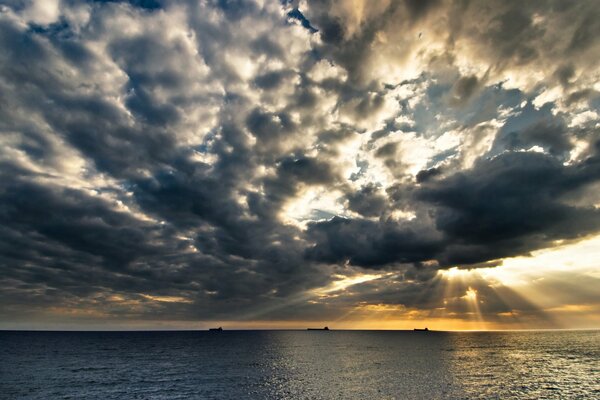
x=283, y=164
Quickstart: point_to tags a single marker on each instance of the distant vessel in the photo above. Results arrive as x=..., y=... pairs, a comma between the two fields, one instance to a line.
x=422, y=330
x=318, y=329
x=219, y=329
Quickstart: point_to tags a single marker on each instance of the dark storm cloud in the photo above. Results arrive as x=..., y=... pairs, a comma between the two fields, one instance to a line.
x=71, y=241
x=511, y=204
x=269, y=128
x=371, y=244
x=426, y=174
x=368, y=202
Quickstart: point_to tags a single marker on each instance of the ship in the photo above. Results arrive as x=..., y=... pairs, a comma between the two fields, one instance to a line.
x=422, y=330
x=318, y=329
x=219, y=329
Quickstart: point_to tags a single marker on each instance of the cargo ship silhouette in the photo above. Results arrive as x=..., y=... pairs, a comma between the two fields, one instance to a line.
x=318, y=329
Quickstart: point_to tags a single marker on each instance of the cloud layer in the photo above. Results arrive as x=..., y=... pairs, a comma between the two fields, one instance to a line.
x=169, y=160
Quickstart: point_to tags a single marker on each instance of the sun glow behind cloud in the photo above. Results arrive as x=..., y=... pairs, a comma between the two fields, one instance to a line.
x=519, y=284
x=534, y=279
x=344, y=282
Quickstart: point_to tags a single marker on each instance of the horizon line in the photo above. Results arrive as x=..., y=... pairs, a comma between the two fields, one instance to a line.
x=302, y=330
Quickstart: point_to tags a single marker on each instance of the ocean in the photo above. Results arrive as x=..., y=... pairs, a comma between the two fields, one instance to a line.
x=300, y=365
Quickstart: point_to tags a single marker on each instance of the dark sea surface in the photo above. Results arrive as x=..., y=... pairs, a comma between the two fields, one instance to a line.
x=300, y=365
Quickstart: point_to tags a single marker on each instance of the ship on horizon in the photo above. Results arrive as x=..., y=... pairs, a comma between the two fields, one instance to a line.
x=318, y=329
x=422, y=330
x=219, y=329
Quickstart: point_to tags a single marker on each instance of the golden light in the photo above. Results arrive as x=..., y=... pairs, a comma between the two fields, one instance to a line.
x=166, y=299
x=344, y=282
x=455, y=273
x=470, y=295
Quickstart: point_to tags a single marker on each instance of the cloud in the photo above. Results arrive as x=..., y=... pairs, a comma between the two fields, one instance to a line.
x=210, y=160
x=509, y=204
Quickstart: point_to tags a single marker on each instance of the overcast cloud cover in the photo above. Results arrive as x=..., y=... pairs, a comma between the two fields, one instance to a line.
x=226, y=160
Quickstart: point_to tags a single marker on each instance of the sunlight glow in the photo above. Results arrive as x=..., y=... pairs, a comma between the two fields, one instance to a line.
x=309, y=204
x=526, y=286
x=470, y=295
x=455, y=273
x=345, y=282
x=568, y=257
x=167, y=299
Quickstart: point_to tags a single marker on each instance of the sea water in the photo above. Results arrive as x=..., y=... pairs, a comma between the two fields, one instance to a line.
x=300, y=365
